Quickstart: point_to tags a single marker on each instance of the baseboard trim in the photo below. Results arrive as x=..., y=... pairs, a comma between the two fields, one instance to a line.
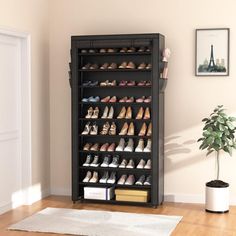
x=191, y=198
x=4, y=207
x=60, y=191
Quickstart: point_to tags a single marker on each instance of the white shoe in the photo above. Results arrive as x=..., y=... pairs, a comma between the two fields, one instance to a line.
x=121, y=145
x=123, y=164
x=148, y=164
x=105, y=113
x=87, y=177
x=130, y=164
x=148, y=146
x=141, y=164
x=130, y=146
x=140, y=146
x=111, y=113
x=94, y=179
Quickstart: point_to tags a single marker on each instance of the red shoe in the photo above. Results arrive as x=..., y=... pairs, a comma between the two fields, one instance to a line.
x=111, y=148
x=123, y=83
x=124, y=99
x=140, y=100
x=104, y=147
x=113, y=99
x=106, y=99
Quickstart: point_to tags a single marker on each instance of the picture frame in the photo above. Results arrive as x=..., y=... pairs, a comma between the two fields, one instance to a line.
x=212, y=52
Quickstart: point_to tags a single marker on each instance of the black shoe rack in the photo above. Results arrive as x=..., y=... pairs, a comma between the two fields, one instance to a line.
x=80, y=56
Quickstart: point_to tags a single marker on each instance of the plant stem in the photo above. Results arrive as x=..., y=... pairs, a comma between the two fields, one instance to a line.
x=218, y=165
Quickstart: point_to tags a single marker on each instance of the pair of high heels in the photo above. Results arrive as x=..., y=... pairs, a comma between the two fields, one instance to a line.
x=109, y=99
x=91, y=129
x=92, y=113
x=127, y=129
x=145, y=130
x=108, y=113
x=145, y=66
x=126, y=99
x=144, y=99
x=108, y=129
x=125, y=113
x=108, y=83
x=143, y=114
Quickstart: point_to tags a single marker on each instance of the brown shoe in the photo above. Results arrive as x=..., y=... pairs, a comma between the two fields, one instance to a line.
x=87, y=66
x=131, y=129
x=93, y=67
x=143, y=130
x=122, y=113
x=140, y=113
x=149, y=132
x=128, y=113
x=124, y=129
x=111, y=148
x=113, y=99
x=123, y=65
x=131, y=65
x=95, y=147
x=142, y=66
x=106, y=99
x=104, y=66
x=147, y=114
x=87, y=146
x=112, y=66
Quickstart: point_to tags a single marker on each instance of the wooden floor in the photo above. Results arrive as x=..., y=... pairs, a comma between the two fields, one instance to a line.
x=195, y=222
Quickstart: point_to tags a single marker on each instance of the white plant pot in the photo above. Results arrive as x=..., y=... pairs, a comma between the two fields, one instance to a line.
x=217, y=199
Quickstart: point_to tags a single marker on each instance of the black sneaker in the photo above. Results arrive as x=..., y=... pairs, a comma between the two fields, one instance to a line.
x=106, y=161
x=95, y=162
x=104, y=178
x=112, y=178
x=140, y=180
x=88, y=160
x=115, y=161
x=148, y=180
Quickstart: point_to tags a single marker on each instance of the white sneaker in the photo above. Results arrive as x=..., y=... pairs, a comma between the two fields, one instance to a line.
x=148, y=164
x=140, y=146
x=94, y=179
x=130, y=164
x=121, y=145
x=148, y=146
x=87, y=177
x=130, y=146
x=141, y=164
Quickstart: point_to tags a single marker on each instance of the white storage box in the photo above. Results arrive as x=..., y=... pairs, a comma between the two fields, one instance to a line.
x=98, y=193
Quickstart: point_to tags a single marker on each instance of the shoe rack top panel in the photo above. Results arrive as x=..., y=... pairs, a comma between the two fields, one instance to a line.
x=125, y=40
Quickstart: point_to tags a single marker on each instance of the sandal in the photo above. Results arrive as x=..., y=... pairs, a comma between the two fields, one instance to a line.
x=112, y=130
x=90, y=113
x=95, y=113
x=105, y=129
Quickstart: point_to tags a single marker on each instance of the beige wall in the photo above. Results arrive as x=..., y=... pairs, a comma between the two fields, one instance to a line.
x=32, y=16
x=188, y=98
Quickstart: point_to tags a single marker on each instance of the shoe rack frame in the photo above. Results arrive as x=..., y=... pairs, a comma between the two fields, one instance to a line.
x=156, y=43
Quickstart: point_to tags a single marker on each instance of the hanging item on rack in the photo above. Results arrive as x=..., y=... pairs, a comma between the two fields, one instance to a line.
x=166, y=55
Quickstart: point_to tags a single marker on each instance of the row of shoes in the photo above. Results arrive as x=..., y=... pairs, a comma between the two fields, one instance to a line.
x=112, y=99
x=123, y=83
x=125, y=113
x=108, y=161
x=124, y=179
x=114, y=50
x=113, y=66
x=121, y=147
x=111, y=129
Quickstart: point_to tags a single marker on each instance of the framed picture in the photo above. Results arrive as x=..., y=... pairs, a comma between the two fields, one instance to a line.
x=212, y=52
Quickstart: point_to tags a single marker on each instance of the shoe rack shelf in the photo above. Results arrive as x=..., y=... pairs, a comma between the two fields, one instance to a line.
x=155, y=45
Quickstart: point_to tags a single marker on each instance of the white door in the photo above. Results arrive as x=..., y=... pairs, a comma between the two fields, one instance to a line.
x=10, y=122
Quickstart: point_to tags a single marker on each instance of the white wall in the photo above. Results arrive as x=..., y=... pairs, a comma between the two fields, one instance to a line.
x=188, y=98
x=31, y=16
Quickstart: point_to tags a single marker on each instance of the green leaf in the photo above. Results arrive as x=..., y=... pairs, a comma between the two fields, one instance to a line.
x=205, y=119
x=209, y=152
x=230, y=125
x=232, y=119
x=221, y=120
x=210, y=140
x=221, y=127
x=200, y=139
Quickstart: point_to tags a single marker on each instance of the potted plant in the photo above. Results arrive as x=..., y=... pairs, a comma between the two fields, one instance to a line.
x=218, y=136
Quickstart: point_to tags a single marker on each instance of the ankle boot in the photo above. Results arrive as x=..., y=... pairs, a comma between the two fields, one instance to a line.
x=131, y=129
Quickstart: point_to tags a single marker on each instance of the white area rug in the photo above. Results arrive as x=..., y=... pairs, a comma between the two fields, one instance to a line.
x=97, y=223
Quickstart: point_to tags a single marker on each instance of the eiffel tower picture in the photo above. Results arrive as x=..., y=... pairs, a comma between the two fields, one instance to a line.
x=211, y=65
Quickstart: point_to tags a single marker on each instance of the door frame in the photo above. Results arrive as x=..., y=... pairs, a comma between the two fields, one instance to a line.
x=25, y=111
